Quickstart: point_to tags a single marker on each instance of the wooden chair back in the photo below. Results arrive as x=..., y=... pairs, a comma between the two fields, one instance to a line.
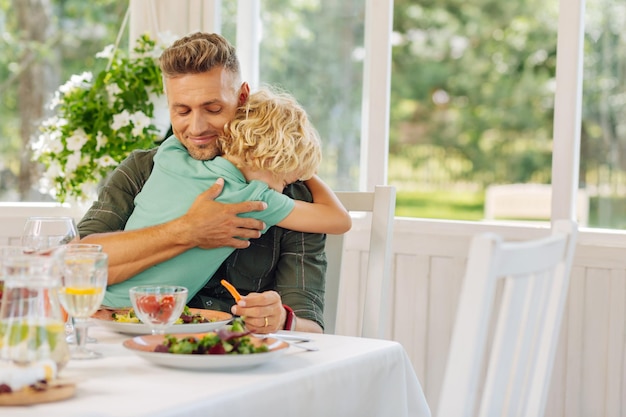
x=507, y=325
x=379, y=206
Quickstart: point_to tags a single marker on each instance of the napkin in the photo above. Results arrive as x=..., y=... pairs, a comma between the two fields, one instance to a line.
x=18, y=377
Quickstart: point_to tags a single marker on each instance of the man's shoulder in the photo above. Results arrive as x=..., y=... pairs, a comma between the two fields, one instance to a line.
x=139, y=160
x=135, y=168
x=142, y=155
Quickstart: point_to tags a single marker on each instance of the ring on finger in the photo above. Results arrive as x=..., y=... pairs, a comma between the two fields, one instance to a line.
x=266, y=322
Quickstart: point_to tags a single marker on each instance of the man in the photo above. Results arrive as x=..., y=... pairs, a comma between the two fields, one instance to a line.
x=281, y=273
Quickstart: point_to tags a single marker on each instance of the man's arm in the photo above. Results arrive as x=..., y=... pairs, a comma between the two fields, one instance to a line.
x=287, y=268
x=206, y=224
x=297, y=278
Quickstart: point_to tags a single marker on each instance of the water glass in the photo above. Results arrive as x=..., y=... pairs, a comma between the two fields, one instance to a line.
x=5, y=252
x=44, y=233
x=31, y=324
x=69, y=320
x=83, y=284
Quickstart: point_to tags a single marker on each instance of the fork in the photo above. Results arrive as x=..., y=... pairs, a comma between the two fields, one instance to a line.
x=294, y=341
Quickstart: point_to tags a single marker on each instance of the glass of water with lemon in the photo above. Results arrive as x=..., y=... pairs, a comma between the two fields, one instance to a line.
x=69, y=320
x=83, y=284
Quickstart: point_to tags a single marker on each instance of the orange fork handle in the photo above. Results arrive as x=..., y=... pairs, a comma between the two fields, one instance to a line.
x=232, y=290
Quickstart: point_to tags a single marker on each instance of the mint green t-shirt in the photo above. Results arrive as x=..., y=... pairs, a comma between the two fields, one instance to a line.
x=175, y=182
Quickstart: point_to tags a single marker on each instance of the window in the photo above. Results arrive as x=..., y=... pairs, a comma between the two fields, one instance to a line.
x=44, y=42
x=472, y=91
x=603, y=133
x=472, y=102
x=315, y=51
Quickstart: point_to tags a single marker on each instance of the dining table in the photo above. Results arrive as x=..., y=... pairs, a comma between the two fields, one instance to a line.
x=344, y=376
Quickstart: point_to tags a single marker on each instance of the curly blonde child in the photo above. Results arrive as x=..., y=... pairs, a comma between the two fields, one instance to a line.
x=272, y=132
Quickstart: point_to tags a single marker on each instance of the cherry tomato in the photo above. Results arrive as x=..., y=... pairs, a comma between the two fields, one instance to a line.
x=166, y=310
x=149, y=304
x=167, y=299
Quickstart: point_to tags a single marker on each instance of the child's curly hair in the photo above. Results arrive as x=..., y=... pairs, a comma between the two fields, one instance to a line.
x=272, y=132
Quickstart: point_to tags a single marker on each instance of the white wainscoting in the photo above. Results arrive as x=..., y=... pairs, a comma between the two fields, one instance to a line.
x=589, y=379
x=13, y=216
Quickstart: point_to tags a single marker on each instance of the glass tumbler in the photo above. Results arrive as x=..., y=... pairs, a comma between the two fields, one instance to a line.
x=31, y=322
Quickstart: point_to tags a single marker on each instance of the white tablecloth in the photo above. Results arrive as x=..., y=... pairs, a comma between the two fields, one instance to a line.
x=348, y=376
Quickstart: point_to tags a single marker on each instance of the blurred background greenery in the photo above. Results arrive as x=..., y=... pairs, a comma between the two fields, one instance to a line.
x=472, y=91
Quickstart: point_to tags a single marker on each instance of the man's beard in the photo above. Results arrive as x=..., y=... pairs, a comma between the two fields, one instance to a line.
x=204, y=153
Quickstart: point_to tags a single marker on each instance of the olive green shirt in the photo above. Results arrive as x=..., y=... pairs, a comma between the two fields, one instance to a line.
x=291, y=263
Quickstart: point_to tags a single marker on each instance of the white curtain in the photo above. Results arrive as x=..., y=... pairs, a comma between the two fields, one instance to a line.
x=179, y=17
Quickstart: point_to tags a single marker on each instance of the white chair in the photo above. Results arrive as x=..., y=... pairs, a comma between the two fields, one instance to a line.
x=379, y=206
x=528, y=202
x=505, y=370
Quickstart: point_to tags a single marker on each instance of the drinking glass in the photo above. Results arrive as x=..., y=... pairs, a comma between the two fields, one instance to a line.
x=43, y=234
x=158, y=306
x=31, y=324
x=69, y=322
x=5, y=252
x=83, y=284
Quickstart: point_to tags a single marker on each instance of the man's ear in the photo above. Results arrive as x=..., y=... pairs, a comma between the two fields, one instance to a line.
x=244, y=93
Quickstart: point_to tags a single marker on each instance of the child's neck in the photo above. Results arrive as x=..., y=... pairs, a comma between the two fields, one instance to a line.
x=248, y=173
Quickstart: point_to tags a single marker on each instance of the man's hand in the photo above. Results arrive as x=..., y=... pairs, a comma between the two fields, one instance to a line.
x=207, y=224
x=211, y=224
x=262, y=312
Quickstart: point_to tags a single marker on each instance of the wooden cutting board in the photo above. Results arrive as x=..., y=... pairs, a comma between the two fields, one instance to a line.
x=54, y=391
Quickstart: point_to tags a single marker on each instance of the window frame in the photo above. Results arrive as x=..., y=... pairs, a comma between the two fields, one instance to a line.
x=188, y=15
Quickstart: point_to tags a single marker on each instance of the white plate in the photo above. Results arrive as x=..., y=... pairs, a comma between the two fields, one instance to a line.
x=218, y=319
x=144, y=347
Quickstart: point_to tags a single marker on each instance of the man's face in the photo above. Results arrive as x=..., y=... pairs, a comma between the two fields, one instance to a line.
x=200, y=105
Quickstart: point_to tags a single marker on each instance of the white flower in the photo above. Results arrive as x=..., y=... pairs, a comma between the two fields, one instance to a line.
x=120, y=120
x=53, y=123
x=55, y=101
x=72, y=142
x=101, y=140
x=77, y=81
x=38, y=146
x=53, y=143
x=106, y=161
x=107, y=52
x=50, y=123
x=73, y=161
x=140, y=122
x=113, y=90
x=48, y=143
x=77, y=140
x=54, y=170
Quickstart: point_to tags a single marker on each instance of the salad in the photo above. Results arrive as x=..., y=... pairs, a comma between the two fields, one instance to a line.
x=186, y=317
x=229, y=340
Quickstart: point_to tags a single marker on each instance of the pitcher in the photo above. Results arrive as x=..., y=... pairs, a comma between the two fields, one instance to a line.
x=31, y=322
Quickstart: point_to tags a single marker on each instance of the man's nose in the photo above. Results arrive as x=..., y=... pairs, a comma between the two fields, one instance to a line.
x=198, y=124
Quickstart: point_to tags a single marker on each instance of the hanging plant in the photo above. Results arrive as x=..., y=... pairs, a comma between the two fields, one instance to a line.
x=99, y=120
